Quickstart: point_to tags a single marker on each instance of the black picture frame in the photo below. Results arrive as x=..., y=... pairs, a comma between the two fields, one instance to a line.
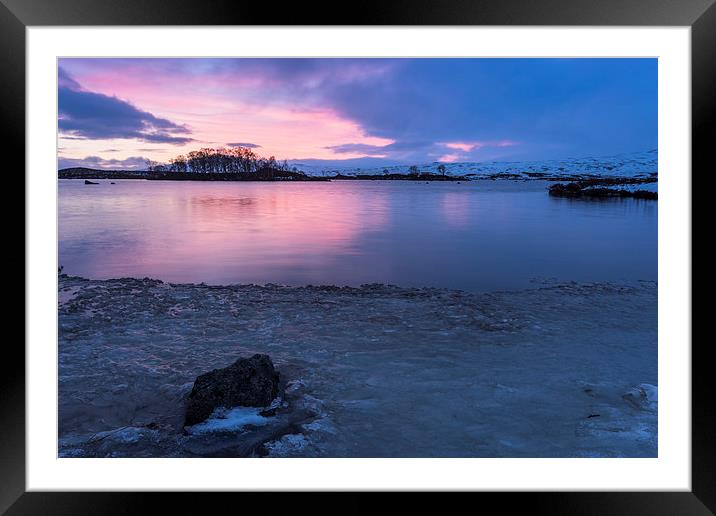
x=700, y=15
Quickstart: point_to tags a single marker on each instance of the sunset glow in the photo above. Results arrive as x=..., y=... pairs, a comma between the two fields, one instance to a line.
x=117, y=113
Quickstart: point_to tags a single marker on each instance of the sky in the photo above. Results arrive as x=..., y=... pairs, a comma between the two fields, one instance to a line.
x=117, y=113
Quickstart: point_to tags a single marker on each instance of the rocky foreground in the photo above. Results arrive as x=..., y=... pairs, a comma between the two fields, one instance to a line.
x=560, y=370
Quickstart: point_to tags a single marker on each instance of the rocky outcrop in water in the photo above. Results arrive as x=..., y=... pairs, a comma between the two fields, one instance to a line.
x=248, y=382
x=602, y=188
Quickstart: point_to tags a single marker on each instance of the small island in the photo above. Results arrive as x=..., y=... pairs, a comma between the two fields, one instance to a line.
x=243, y=164
x=238, y=164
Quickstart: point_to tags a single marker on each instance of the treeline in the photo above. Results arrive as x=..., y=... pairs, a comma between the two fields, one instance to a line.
x=221, y=161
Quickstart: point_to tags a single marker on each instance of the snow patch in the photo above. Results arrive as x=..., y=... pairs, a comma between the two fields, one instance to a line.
x=322, y=424
x=229, y=420
x=294, y=385
x=288, y=445
x=638, y=187
x=636, y=164
x=644, y=396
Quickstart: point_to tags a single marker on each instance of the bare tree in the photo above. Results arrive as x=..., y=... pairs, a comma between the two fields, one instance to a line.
x=178, y=164
x=154, y=166
x=221, y=160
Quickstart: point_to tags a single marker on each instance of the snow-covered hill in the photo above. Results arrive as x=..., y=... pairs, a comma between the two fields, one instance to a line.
x=640, y=164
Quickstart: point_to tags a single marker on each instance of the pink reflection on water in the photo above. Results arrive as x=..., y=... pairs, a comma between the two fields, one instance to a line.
x=456, y=208
x=480, y=235
x=231, y=231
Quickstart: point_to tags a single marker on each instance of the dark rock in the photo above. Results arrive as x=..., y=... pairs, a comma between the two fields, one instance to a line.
x=568, y=190
x=248, y=382
x=602, y=188
x=88, y=182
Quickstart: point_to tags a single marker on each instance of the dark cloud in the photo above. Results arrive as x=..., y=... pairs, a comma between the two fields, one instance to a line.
x=88, y=115
x=246, y=145
x=551, y=107
x=131, y=163
x=65, y=81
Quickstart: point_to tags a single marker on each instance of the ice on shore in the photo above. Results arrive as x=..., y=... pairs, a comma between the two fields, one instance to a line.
x=644, y=396
x=559, y=370
x=225, y=420
x=287, y=446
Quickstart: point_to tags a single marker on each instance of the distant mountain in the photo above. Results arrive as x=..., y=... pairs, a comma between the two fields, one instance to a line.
x=631, y=165
x=638, y=164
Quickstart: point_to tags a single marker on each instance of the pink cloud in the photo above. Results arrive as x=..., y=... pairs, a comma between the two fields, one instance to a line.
x=473, y=145
x=464, y=146
x=304, y=133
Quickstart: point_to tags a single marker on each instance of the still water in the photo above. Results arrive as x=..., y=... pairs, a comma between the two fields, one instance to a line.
x=477, y=236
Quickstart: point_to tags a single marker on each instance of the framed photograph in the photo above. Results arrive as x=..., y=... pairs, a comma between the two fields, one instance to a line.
x=438, y=248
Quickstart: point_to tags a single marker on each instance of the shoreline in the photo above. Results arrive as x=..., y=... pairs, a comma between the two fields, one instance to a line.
x=359, y=177
x=375, y=287
x=586, y=188
x=453, y=373
x=277, y=175
x=241, y=177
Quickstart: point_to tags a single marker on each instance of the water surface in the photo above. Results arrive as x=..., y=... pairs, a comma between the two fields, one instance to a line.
x=477, y=236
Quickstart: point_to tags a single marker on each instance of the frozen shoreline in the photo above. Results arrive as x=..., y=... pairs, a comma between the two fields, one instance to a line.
x=374, y=371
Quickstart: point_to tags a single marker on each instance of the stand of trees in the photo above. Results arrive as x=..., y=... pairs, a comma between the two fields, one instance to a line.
x=221, y=160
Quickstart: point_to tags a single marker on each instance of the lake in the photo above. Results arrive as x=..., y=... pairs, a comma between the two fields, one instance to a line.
x=477, y=236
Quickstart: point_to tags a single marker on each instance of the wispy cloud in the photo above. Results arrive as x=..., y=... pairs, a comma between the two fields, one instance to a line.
x=245, y=145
